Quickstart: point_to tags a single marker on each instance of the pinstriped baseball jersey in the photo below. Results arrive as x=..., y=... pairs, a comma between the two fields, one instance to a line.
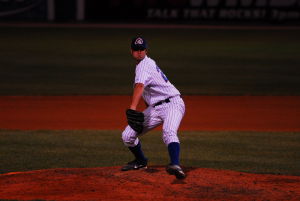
x=157, y=88
x=156, y=85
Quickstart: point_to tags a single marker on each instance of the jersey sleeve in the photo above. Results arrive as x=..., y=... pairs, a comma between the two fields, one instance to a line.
x=142, y=74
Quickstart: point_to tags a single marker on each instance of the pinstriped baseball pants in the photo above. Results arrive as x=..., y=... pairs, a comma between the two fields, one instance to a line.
x=169, y=114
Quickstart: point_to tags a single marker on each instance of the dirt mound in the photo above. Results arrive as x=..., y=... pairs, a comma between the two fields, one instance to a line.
x=109, y=183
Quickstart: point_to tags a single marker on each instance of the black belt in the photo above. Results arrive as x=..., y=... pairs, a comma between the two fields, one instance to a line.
x=161, y=102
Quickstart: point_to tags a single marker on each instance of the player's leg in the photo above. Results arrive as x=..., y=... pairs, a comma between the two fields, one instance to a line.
x=173, y=114
x=130, y=139
x=152, y=120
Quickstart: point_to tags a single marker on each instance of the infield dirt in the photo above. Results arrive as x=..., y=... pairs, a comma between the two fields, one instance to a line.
x=203, y=113
x=109, y=183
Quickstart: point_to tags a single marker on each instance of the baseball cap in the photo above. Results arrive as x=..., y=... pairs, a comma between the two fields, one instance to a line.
x=138, y=43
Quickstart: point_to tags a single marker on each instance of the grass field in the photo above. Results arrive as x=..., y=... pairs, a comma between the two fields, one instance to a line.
x=256, y=152
x=96, y=61
x=77, y=61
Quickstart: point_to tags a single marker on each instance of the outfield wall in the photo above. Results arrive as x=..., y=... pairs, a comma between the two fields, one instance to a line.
x=183, y=11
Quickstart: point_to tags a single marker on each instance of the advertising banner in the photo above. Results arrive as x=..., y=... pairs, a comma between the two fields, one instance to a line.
x=186, y=11
x=197, y=11
x=237, y=10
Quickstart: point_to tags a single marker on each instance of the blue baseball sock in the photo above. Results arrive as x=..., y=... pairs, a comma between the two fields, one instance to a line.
x=137, y=152
x=174, y=150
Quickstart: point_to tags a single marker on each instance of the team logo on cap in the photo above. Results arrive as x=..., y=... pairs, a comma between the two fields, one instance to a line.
x=138, y=41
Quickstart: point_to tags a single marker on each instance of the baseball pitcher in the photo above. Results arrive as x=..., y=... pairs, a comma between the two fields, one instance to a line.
x=165, y=106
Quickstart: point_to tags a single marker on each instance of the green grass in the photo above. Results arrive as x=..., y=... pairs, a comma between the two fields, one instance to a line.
x=68, y=61
x=256, y=152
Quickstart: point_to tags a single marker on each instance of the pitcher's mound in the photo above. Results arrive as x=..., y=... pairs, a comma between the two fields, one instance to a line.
x=109, y=183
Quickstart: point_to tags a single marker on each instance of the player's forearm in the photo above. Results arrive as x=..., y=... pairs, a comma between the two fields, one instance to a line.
x=137, y=94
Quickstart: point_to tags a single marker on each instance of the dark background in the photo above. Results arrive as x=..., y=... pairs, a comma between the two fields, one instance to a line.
x=148, y=11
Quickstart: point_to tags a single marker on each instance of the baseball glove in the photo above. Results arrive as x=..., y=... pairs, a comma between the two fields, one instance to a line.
x=135, y=120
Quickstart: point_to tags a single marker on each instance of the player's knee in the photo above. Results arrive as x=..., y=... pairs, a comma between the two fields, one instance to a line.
x=129, y=138
x=169, y=137
x=131, y=143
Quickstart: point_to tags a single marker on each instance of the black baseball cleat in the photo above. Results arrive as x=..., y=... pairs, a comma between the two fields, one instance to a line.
x=135, y=165
x=175, y=170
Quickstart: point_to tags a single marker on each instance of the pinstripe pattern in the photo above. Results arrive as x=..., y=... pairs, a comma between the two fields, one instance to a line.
x=168, y=114
x=157, y=88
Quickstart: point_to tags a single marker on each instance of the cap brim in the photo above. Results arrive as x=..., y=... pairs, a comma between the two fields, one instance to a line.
x=138, y=48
